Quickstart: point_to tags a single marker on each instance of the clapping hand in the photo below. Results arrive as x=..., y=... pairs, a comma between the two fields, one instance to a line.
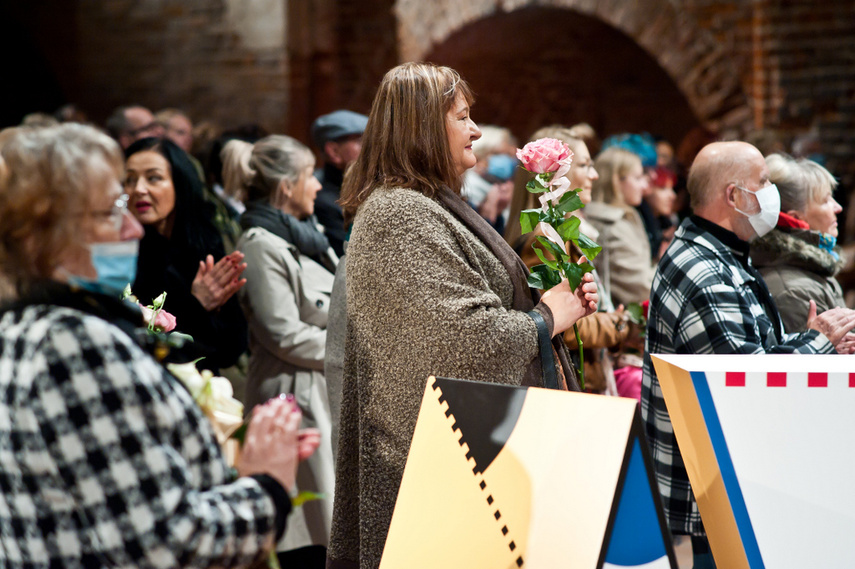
x=215, y=283
x=274, y=442
x=847, y=344
x=836, y=324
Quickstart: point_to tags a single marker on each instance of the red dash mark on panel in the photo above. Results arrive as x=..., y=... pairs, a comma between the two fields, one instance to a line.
x=817, y=380
x=776, y=379
x=735, y=379
x=852, y=380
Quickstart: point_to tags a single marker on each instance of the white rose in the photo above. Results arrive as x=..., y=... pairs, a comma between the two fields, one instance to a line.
x=222, y=395
x=189, y=376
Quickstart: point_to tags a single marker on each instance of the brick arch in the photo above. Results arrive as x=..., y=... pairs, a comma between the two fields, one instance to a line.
x=698, y=65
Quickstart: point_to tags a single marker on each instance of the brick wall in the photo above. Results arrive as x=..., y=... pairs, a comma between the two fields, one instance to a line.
x=810, y=61
x=210, y=57
x=786, y=67
x=524, y=79
x=690, y=58
x=339, y=51
x=660, y=65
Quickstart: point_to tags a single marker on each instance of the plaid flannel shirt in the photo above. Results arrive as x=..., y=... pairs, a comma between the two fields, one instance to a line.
x=105, y=460
x=703, y=301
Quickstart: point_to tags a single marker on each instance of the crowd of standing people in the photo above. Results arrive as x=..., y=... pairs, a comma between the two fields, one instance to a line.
x=328, y=293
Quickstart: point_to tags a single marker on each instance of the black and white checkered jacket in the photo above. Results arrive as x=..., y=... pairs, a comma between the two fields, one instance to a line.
x=703, y=301
x=105, y=459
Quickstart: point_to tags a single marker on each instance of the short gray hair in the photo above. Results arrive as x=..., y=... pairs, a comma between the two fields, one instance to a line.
x=799, y=180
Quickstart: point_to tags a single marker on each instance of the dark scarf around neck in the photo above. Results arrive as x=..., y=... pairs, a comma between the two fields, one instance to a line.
x=525, y=298
x=304, y=235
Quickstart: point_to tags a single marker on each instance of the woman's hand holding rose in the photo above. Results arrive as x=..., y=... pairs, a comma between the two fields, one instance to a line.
x=568, y=306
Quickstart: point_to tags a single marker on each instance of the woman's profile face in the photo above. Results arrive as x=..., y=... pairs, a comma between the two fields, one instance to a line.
x=301, y=203
x=148, y=182
x=633, y=185
x=661, y=199
x=582, y=172
x=462, y=131
x=821, y=212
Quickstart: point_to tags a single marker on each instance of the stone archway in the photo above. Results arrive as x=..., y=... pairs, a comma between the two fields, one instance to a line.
x=693, y=61
x=595, y=74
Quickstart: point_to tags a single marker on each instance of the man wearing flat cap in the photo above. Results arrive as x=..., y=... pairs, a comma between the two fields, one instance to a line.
x=338, y=136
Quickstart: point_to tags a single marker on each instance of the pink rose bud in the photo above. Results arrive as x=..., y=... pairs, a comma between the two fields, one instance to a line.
x=164, y=321
x=544, y=155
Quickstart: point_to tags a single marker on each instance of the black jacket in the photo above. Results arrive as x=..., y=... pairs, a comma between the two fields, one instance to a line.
x=327, y=211
x=166, y=266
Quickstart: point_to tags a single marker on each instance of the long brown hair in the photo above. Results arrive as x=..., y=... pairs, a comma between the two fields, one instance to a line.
x=405, y=143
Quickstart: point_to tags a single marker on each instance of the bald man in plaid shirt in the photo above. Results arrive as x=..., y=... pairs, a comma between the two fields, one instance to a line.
x=706, y=298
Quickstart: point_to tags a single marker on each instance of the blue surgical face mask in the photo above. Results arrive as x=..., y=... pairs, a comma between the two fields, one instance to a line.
x=116, y=266
x=501, y=166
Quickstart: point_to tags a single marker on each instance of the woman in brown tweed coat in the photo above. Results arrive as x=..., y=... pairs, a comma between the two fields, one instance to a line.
x=431, y=289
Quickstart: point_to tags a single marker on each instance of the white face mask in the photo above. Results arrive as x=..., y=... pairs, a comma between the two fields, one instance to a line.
x=766, y=219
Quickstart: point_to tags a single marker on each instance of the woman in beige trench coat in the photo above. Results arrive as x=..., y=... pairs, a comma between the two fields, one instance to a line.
x=289, y=277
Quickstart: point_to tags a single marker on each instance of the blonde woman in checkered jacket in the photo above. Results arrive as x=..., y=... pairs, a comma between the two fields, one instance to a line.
x=105, y=459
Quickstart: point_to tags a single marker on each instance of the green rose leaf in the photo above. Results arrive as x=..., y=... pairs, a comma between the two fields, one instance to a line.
x=589, y=248
x=529, y=218
x=536, y=185
x=569, y=229
x=534, y=280
x=635, y=312
x=543, y=277
x=557, y=252
x=574, y=273
x=306, y=496
x=551, y=263
x=570, y=202
x=552, y=217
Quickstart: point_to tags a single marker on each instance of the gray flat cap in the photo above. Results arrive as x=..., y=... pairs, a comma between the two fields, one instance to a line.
x=337, y=125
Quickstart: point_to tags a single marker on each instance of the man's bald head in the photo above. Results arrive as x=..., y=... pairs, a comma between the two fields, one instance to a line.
x=717, y=172
x=717, y=165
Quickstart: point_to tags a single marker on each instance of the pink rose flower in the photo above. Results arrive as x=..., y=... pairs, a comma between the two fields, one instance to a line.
x=163, y=322
x=544, y=155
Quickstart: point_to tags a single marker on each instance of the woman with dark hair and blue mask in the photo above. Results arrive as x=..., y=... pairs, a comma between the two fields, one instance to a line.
x=178, y=252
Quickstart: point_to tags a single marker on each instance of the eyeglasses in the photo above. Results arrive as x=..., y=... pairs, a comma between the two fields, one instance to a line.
x=116, y=213
x=150, y=129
